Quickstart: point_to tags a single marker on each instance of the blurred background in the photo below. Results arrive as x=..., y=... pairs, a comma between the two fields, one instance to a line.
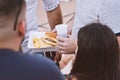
x=67, y=8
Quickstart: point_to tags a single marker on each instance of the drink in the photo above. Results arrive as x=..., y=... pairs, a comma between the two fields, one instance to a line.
x=61, y=30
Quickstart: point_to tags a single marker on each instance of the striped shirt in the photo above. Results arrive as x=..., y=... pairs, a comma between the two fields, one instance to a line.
x=31, y=17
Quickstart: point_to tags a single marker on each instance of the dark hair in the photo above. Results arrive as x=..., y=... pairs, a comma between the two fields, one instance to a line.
x=98, y=52
x=11, y=8
x=8, y=7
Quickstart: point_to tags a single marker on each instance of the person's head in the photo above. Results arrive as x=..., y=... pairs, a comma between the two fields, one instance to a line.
x=98, y=52
x=12, y=22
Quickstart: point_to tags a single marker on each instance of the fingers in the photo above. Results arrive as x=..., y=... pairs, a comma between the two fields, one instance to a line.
x=69, y=35
x=62, y=52
x=62, y=48
x=61, y=44
x=54, y=31
x=61, y=39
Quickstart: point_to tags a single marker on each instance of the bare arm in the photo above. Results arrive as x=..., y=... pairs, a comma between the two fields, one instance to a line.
x=118, y=37
x=66, y=59
x=70, y=24
x=54, y=17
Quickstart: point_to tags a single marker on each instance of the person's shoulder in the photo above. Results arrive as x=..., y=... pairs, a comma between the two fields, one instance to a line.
x=28, y=66
x=37, y=59
x=34, y=59
x=42, y=66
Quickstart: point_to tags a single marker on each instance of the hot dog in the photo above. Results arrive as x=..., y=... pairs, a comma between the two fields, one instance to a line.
x=49, y=40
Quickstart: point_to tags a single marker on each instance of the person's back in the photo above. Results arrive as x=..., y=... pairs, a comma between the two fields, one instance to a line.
x=18, y=66
x=15, y=65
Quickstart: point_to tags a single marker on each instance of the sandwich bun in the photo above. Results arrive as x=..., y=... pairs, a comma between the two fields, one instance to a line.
x=49, y=40
x=51, y=34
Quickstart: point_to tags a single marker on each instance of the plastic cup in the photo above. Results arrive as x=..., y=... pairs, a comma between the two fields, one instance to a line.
x=61, y=30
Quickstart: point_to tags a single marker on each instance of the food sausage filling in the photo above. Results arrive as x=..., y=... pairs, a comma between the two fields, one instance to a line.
x=51, y=40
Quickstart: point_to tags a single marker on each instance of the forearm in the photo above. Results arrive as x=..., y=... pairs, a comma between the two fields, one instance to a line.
x=70, y=24
x=118, y=37
x=66, y=59
x=54, y=17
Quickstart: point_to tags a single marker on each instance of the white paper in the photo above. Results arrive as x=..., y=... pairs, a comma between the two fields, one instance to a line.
x=39, y=35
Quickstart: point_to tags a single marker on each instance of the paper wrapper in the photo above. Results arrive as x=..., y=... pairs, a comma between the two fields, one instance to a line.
x=41, y=45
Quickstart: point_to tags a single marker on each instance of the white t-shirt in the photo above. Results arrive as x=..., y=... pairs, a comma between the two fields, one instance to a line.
x=104, y=11
x=31, y=17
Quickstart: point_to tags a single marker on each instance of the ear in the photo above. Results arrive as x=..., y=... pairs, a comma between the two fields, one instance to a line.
x=21, y=28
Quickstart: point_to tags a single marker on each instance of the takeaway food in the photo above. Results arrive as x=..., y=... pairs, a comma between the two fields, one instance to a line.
x=48, y=40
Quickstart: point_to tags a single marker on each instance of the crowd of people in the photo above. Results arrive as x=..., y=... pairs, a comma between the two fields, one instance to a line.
x=94, y=41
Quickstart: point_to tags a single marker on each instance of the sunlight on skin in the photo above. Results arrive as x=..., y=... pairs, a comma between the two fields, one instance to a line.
x=118, y=40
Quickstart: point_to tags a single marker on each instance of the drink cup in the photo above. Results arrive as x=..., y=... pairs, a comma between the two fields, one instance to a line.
x=61, y=30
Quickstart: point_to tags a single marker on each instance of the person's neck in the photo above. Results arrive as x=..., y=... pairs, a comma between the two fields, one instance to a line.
x=10, y=45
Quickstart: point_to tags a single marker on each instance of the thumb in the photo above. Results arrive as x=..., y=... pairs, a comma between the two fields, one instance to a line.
x=69, y=35
x=54, y=30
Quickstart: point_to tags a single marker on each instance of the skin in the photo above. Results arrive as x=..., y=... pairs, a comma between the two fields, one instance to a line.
x=65, y=60
x=67, y=45
x=70, y=25
x=14, y=38
x=118, y=40
x=54, y=17
x=64, y=44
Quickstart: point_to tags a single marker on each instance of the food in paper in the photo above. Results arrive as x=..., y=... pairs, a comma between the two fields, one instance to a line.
x=48, y=40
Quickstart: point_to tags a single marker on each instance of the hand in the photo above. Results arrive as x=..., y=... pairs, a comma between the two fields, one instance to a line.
x=67, y=45
x=66, y=58
x=54, y=31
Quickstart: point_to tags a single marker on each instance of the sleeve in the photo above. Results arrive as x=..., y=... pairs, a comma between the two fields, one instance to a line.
x=50, y=4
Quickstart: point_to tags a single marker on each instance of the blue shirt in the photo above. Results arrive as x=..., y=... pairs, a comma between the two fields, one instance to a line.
x=18, y=66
